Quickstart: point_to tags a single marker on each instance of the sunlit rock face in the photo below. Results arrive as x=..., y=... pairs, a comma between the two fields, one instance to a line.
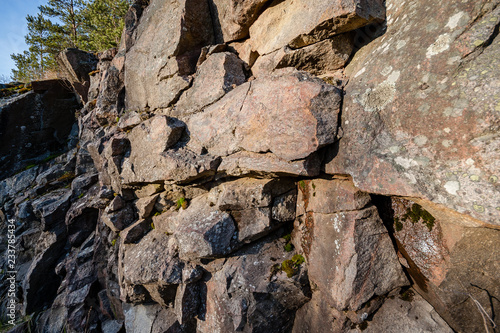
x=262, y=166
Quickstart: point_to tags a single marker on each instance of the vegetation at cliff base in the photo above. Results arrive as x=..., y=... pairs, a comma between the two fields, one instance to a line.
x=91, y=25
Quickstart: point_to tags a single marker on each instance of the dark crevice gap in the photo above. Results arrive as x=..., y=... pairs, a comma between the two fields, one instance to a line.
x=386, y=213
x=365, y=35
x=216, y=26
x=492, y=37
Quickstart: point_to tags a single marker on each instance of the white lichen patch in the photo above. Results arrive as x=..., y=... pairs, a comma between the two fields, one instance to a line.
x=400, y=44
x=361, y=71
x=452, y=187
x=455, y=20
x=393, y=77
x=405, y=162
x=453, y=60
x=383, y=94
x=377, y=98
x=411, y=178
x=441, y=44
x=447, y=143
x=394, y=149
x=420, y=140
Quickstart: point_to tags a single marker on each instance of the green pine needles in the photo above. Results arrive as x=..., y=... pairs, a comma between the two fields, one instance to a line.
x=92, y=25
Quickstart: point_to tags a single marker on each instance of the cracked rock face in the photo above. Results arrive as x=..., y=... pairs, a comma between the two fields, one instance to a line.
x=324, y=19
x=291, y=115
x=347, y=242
x=443, y=148
x=229, y=173
x=156, y=72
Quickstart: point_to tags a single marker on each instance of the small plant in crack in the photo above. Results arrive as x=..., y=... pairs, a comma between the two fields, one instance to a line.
x=181, y=202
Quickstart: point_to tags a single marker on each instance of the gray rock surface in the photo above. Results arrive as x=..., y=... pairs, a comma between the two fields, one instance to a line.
x=36, y=125
x=157, y=67
x=284, y=23
x=442, y=148
x=291, y=115
x=404, y=316
x=207, y=189
x=221, y=72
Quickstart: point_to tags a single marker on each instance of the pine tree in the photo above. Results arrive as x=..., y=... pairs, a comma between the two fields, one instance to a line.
x=93, y=25
x=43, y=37
x=104, y=23
x=27, y=67
x=70, y=13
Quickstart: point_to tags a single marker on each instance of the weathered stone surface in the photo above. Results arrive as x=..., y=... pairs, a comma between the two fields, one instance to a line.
x=203, y=231
x=154, y=136
x=358, y=252
x=451, y=266
x=243, y=194
x=140, y=318
x=203, y=258
x=187, y=301
x=250, y=203
x=11, y=186
x=75, y=66
x=129, y=120
x=221, y=72
x=135, y=231
x=247, y=163
x=284, y=206
x=320, y=58
x=246, y=292
x=112, y=326
x=83, y=182
x=244, y=51
x=155, y=66
x=291, y=115
x=318, y=315
x=349, y=239
x=441, y=147
x=253, y=223
x=151, y=161
x=234, y=18
x=118, y=220
x=152, y=263
x=107, y=152
x=178, y=165
x=81, y=220
x=37, y=293
x=471, y=278
x=145, y=205
x=51, y=208
x=116, y=204
x=145, y=263
x=330, y=196
x=405, y=316
x=149, y=190
x=110, y=95
x=34, y=124
x=284, y=22
x=208, y=50
x=421, y=238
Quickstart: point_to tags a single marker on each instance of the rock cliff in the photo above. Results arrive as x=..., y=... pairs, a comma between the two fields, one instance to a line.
x=261, y=166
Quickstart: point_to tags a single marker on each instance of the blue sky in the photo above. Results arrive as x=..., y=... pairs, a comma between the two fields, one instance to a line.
x=13, y=28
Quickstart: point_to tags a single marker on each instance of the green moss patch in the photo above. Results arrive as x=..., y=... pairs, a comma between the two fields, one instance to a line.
x=417, y=213
x=291, y=266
